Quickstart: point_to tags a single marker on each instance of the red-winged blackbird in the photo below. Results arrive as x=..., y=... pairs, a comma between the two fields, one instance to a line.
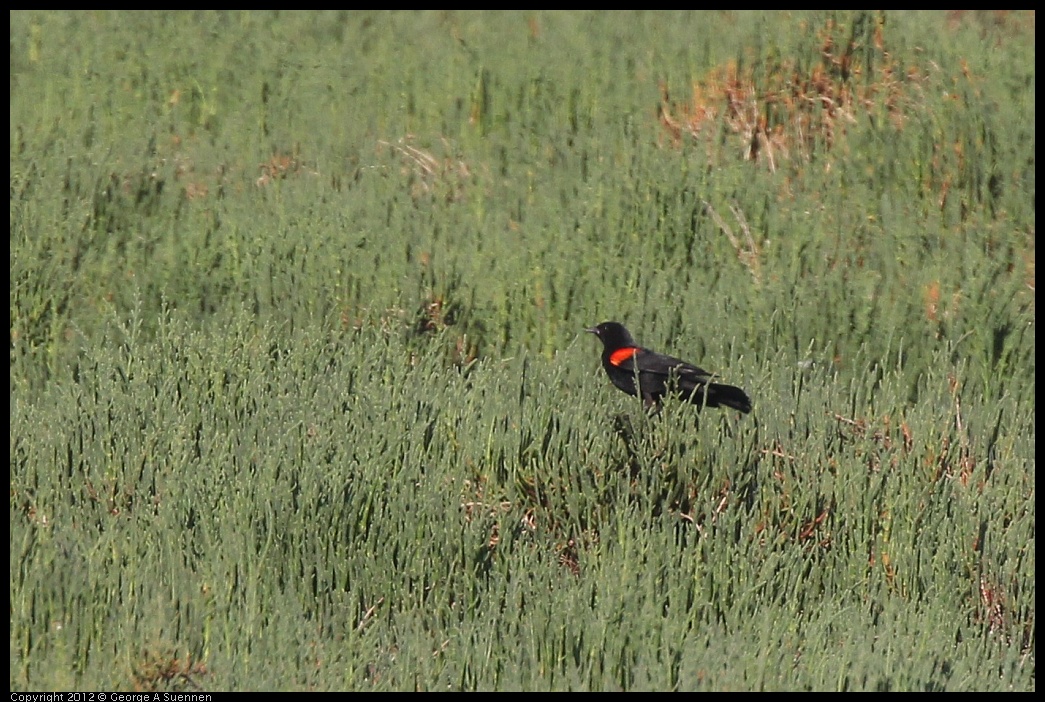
x=659, y=375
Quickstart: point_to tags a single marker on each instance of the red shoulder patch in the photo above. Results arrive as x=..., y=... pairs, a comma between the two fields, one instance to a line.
x=621, y=355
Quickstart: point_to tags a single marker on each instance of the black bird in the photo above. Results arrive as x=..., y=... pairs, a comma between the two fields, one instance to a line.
x=659, y=375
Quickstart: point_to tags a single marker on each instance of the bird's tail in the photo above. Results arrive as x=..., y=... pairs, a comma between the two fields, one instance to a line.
x=719, y=395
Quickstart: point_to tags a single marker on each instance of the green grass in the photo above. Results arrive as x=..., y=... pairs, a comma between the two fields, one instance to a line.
x=299, y=393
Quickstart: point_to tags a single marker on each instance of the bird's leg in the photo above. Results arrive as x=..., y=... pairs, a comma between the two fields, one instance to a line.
x=652, y=406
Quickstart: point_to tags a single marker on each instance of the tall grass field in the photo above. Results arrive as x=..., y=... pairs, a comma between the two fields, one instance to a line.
x=301, y=398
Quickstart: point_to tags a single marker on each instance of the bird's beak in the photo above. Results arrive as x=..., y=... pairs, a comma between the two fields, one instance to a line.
x=593, y=330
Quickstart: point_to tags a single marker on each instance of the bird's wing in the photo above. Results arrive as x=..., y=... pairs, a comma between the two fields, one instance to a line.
x=687, y=371
x=653, y=363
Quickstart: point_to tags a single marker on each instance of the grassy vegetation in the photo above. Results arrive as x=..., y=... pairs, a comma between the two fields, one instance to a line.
x=299, y=398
